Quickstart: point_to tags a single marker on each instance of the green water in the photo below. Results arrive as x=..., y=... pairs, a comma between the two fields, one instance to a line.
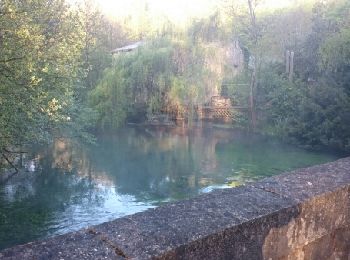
x=68, y=186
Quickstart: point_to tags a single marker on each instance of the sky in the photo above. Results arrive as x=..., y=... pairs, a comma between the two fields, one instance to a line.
x=178, y=11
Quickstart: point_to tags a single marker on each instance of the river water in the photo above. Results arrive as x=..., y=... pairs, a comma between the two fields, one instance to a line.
x=68, y=186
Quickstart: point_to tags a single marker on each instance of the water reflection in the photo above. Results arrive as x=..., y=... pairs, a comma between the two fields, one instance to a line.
x=161, y=164
x=69, y=186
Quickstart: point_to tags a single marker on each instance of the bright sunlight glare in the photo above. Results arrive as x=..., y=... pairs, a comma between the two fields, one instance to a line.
x=175, y=10
x=178, y=11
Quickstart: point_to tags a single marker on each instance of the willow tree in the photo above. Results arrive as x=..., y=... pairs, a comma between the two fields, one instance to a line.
x=136, y=81
x=164, y=75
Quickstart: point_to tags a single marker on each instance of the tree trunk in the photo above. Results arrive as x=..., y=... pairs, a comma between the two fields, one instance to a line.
x=291, y=66
x=287, y=62
x=251, y=99
x=253, y=80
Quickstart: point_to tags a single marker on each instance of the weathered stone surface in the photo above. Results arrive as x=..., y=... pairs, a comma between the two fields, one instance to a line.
x=158, y=231
x=318, y=218
x=306, y=183
x=304, y=214
x=243, y=241
x=77, y=245
x=333, y=246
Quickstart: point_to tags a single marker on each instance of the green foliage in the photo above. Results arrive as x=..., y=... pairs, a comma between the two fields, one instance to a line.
x=138, y=79
x=310, y=114
x=163, y=74
x=110, y=100
x=335, y=58
x=57, y=76
x=209, y=29
x=40, y=49
x=314, y=108
x=51, y=55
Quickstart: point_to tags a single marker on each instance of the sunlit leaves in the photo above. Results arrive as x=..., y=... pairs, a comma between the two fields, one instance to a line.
x=40, y=50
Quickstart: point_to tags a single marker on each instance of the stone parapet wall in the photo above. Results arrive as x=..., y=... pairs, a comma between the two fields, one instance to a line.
x=304, y=214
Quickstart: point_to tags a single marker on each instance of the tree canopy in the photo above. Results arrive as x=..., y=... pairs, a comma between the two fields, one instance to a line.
x=289, y=66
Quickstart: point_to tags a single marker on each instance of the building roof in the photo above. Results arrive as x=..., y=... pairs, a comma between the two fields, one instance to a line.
x=128, y=48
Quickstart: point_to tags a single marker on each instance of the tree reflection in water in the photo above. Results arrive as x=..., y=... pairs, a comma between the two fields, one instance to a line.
x=76, y=185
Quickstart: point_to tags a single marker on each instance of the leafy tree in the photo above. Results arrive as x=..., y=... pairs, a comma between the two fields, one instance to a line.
x=40, y=50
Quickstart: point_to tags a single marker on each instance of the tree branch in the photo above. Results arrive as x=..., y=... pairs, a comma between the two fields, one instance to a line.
x=12, y=59
x=9, y=162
